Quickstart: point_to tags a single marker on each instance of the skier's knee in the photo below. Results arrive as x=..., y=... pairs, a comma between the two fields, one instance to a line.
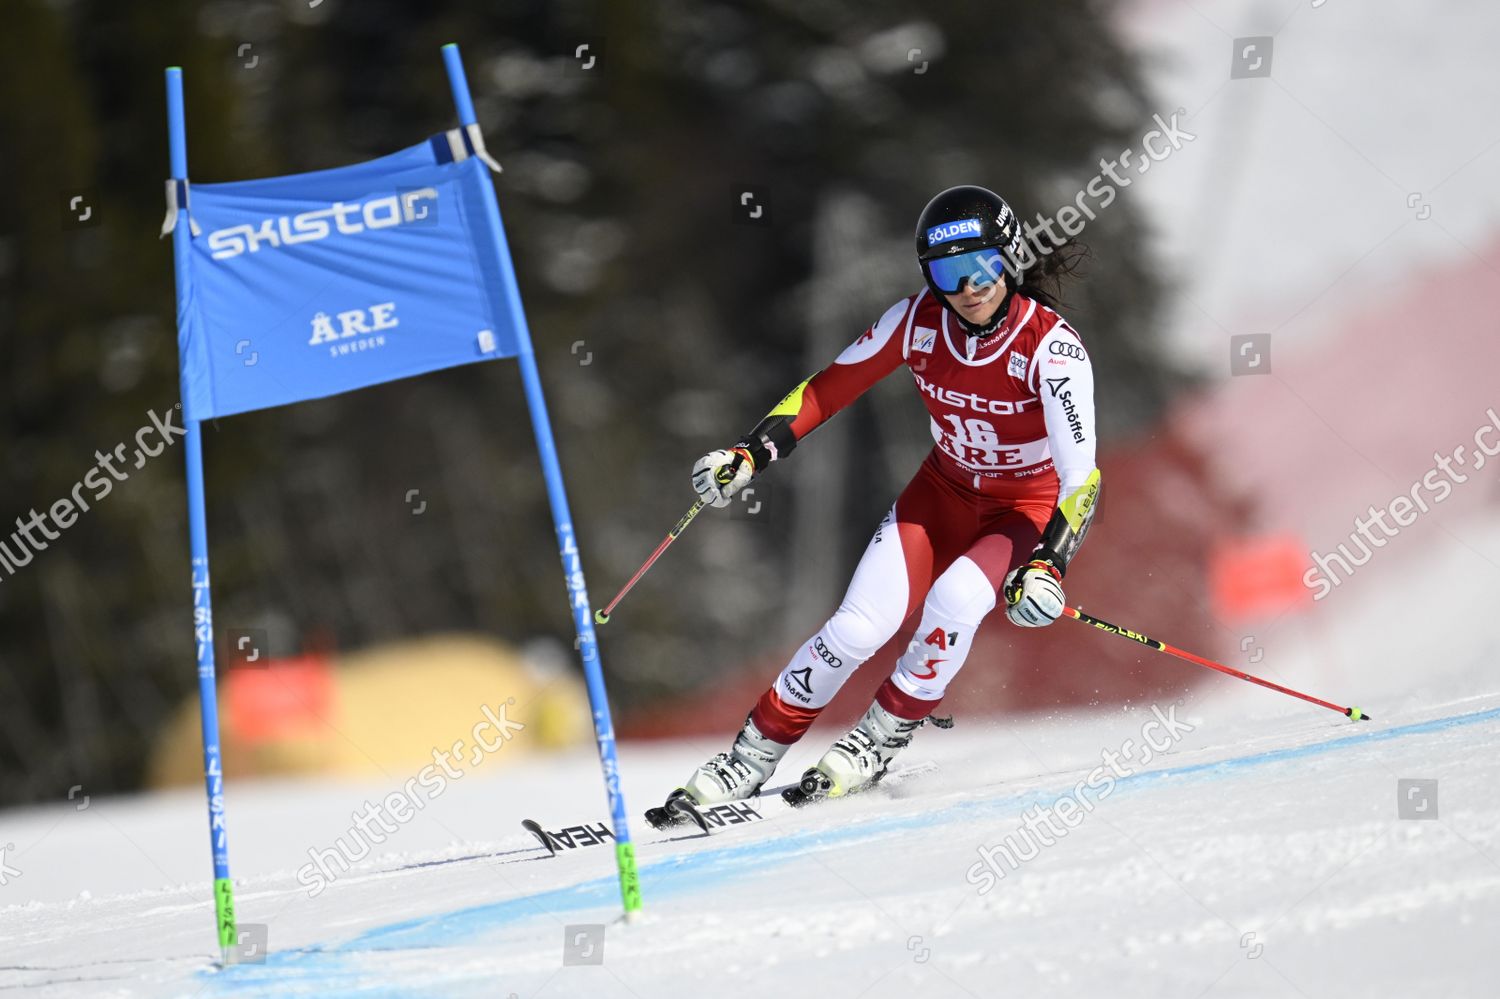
x=961, y=595
x=817, y=671
x=856, y=634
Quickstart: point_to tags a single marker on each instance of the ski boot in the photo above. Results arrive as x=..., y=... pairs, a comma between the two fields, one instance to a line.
x=732, y=776
x=857, y=760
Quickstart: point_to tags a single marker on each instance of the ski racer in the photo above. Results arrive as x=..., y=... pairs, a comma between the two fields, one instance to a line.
x=995, y=513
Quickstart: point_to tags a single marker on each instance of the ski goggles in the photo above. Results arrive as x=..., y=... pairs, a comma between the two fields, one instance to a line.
x=980, y=268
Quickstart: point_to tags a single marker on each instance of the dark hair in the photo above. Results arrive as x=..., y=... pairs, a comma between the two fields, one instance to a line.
x=1053, y=271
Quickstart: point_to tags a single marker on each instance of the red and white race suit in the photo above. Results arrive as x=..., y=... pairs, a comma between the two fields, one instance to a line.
x=1013, y=420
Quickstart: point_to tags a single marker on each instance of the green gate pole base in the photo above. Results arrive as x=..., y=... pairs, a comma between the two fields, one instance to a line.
x=229, y=938
x=630, y=880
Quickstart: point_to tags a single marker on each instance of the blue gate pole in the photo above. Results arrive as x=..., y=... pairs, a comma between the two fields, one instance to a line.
x=583, y=621
x=203, y=617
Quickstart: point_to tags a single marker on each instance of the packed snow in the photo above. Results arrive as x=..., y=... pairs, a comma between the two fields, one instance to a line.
x=1259, y=854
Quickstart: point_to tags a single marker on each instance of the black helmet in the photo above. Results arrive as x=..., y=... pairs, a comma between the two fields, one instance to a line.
x=968, y=234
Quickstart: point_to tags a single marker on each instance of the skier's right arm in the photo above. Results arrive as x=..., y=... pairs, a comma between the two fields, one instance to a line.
x=718, y=475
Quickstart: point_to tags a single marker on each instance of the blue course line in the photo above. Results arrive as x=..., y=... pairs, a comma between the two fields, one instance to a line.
x=1318, y=748
x=660, y=878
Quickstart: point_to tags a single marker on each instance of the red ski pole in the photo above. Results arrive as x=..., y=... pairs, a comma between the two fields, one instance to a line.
x=602, y=616
x=723, y=476
x=1114, y=629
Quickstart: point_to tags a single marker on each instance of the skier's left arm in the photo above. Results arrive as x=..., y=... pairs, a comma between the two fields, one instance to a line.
x=1063, y=378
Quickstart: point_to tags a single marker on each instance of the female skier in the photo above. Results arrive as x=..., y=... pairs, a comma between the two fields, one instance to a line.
x=998, y=508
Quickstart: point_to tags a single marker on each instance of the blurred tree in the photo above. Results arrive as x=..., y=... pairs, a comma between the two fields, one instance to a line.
x=666, y=320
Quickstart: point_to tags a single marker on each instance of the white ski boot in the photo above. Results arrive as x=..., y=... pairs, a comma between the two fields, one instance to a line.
x=731, y=776
x=858, y=759
x=739, y=773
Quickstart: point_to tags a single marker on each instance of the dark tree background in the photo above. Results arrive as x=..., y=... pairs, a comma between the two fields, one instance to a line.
x=666, y=321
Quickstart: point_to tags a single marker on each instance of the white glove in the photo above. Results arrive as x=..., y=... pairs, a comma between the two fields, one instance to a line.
x=718, y=475
x=1033, y=595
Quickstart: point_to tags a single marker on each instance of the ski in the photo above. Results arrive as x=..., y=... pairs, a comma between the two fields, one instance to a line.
x=569, y=837
x=680, y=811
x=813, y=787
x=533, y=827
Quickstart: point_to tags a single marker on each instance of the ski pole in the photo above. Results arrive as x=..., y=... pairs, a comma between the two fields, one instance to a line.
x=602, y=616
x=723, y=476
x=1114, y=629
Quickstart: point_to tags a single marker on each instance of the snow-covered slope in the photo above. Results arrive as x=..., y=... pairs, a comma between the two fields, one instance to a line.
x=1260, y=853
x=1255, y=856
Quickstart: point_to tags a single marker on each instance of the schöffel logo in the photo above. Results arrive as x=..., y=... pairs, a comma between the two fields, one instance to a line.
x=953, y=230
x=1075, y=424
x=341, y=216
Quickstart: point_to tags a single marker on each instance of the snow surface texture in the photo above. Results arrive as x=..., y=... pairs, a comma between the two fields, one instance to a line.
x=1261, y=855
